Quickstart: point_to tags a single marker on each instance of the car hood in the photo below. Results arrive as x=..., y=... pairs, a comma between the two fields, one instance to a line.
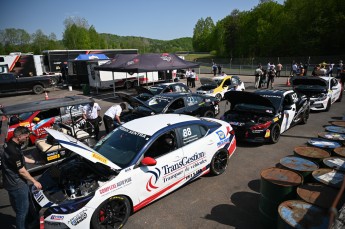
x=309, y=81
x=236, y=97
x=132, y=101
x=208, y=81
x=142, y=90
x=81, y=149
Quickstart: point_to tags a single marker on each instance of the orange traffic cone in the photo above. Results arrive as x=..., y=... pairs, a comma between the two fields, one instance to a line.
x=288, y=82
x=46, y=96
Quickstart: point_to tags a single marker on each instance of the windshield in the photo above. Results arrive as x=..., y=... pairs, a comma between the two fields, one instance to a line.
x=275, y=100
x=158, y=103
x=25, y=116
x=253, y=108
x=156, y=90
x=121, y=146
x=218, y=81
x=310, y=87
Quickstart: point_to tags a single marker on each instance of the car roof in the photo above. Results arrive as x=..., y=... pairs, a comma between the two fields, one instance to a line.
x=44, y=105
x=149, y=125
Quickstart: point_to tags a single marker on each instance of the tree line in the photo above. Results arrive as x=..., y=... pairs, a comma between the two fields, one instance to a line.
x=298, y=28
x=295, y=28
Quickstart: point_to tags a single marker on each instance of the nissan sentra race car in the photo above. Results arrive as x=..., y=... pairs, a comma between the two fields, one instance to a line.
x=323, y=91
x=136, y=164
x=261, y=116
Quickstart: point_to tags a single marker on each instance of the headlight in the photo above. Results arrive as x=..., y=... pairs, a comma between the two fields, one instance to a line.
x=321, y=97
x=210, y=91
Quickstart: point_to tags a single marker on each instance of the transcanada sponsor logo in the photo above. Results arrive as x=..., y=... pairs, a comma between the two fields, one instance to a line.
x=184, y=161
x=115, y=186
x=78, y=218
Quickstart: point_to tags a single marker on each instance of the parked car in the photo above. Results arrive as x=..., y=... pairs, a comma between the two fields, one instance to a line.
x=146, y=93
x=133, y=166
x=261, y=116
x=323, y=91
x=217, y=86
x=9, y=83
x=177, y=103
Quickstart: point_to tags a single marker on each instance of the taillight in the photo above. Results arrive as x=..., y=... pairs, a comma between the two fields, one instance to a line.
x=261, y=126
x=229, y=130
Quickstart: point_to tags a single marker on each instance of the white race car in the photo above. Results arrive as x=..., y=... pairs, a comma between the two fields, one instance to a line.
x=323, y=91
x=136, y=164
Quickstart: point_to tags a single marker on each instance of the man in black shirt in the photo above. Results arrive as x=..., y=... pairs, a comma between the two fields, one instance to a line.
x=15, y=175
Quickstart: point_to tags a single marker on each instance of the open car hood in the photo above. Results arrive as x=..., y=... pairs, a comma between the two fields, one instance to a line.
x=132, y=101
x=208, y=81
x=296, y=81
x=81, y=149
x=142, y=90
x=237, y=97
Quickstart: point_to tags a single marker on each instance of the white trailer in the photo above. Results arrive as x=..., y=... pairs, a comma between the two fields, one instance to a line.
x=107, y=79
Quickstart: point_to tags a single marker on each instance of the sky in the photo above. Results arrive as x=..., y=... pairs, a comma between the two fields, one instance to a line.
x=155, y=19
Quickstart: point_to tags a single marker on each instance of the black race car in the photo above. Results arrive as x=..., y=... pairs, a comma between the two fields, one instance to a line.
x=261, y=116
x=175, y=103
x=146, y=93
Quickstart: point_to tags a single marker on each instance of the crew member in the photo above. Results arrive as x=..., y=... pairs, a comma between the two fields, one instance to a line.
x=91, y=114
x=15, y=176
x=111, y=115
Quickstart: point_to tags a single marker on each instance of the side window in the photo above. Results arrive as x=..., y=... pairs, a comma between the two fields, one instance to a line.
x=192, y=100
x=234, y=81
x=177, y=104
x=226, y=83
x=191, y=133
x=163, y=145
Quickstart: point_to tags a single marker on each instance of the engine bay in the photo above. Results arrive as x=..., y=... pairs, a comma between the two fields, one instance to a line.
x=246, y=118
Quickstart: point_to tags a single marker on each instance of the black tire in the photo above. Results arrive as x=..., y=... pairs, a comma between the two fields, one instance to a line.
x=38, y=89
x=219, y=162
x=328, y=105
x=128, y=85
x=54, y=80
x=209, y=114
x=219, y=97
x=275, y=133
x=112, y=213
x=305, y=116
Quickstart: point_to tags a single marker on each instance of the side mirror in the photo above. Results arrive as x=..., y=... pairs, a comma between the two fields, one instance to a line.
x=148, y=161
x=36, y=119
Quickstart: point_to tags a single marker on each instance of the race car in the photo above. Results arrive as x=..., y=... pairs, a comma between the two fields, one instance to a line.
x=37, y=115
x=177, y=103
x=136, y=164
x=217, y=86
x=323, y=91
x=261, y=116
x=146, y=93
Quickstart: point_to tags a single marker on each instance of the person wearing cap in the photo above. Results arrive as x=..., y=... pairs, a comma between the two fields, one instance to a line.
x=91, y=113
x=111, y=115
x=15, y=176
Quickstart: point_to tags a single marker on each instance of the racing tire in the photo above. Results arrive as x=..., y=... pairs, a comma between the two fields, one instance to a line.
x=112, y=213
x=209, y=114
x=219, y=97
x=54, y=80
x=219, y=162
x=38, y=89
x=305, y=116
x=128, y=85
x=275, y=133
x=328, y=105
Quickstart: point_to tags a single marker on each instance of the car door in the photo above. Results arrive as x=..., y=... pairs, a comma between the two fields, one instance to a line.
x=288, y=111
x=192, y=105
x=168, y=173
x=177, y=106
x=196, y=158
x=335, y=89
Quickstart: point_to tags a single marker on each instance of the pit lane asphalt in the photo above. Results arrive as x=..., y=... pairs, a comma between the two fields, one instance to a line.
x=230, y=200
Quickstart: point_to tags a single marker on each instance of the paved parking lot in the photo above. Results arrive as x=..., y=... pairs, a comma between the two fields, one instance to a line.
x=227, y=201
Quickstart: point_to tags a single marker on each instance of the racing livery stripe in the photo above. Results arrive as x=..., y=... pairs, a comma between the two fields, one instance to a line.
x=72, y=144
x=232, y=146
x=155, y=196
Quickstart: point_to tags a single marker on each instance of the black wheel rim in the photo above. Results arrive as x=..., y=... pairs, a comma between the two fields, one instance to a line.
x=220, y=162
x=113, y=214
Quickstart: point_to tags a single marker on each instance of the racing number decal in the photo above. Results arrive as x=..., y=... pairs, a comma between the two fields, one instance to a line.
x=186, y=132
x=294, y=97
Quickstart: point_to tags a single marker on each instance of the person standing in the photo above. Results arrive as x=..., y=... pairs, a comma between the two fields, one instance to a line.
x=214, y=69
x=330, y=69
x=192, y=78
x=258, y=73
x=188, y=72
x=91, y=113
x=111, y=115
x=15, y=176
x=294, y=69
x=271, y=75
x=340, y=67
x=219, y=67
x=279, y=69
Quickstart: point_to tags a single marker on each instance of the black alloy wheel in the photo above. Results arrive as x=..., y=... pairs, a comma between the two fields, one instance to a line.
x=219, y=162
x=275, y=133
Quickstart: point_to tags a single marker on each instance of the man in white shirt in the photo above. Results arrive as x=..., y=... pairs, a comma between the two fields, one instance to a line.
x=111, y=115
x=91, y=113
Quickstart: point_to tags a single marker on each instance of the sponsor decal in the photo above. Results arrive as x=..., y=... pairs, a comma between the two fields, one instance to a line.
x=166, y=57
x=53, y=156
x=57, y=217
x=268, y=133
x=116, y=186
x=27, y=124
x=183, y=162
x=223, y=142
x=132, y=132
x=78, y=218
x=149, y=184
x=100, y=158
x=220, y=134
x=275, y=119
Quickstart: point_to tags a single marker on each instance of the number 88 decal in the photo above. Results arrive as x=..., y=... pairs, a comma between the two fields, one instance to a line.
x=186, y=132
